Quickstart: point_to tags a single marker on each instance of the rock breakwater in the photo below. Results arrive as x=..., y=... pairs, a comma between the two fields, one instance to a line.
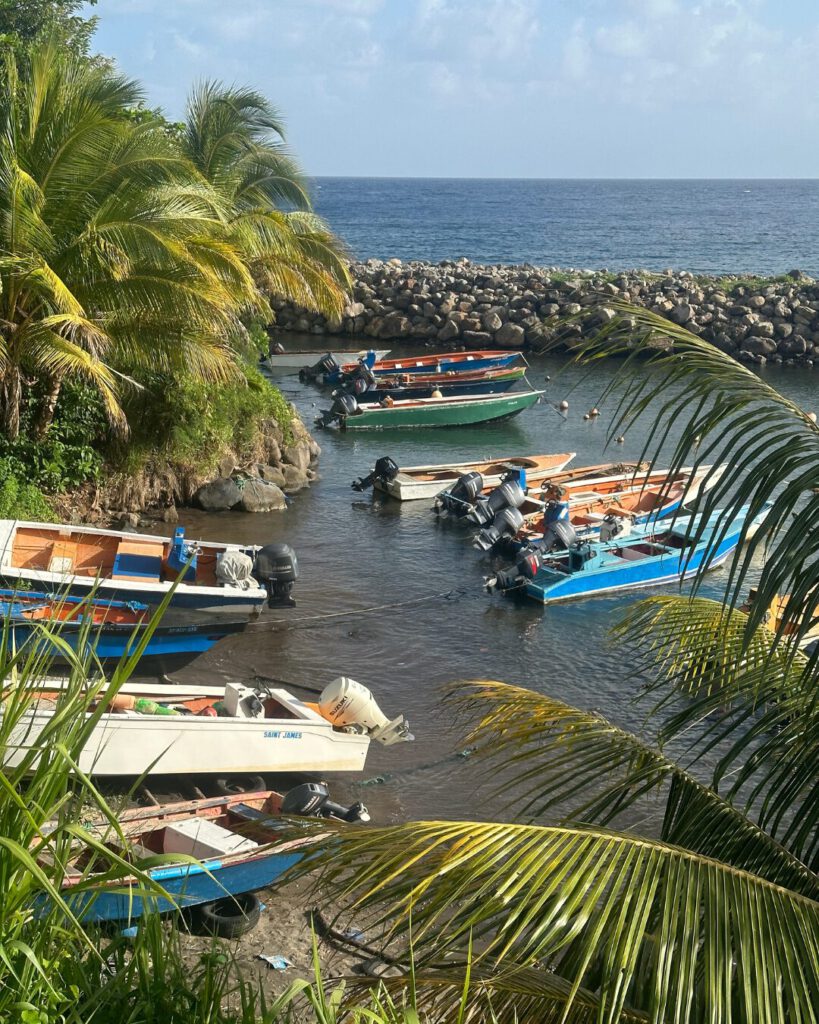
x=459, y=304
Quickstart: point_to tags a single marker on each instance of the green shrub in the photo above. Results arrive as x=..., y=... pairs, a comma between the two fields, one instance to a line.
x=20, y=499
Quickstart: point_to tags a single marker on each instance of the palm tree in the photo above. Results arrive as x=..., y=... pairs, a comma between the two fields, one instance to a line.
x=112, y=249
x=235, y=138
x=671, y=876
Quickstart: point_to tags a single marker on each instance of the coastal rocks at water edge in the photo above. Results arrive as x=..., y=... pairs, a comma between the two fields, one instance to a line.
x=239, y=494
x=459, y=304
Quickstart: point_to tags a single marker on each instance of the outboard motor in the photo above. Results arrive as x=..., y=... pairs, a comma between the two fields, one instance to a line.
x=558, y=532
x=384, y=470
x=352, y=708
x=614, y=526
x=508, y=494
x=526, y=568
x=324, y=367
x=343, y=405
x=312, y=800
x=459, y=499
x=359, y=382
x=277, y=569
x=507, y=524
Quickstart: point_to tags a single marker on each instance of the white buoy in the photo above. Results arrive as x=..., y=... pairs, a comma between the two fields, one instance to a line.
x=594, y=412
x=564, y=405
x=812, y=417
x=586, y=416
x=619, y=440
x=546, y=377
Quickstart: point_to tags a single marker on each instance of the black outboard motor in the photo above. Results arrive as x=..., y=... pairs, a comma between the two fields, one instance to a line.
x=277, y=569
x=384, y=470
x=343, y=405
x=558, y=532
x=506, y=524
x=312, y=800
x=525, y=568
x=325, y=365
x=359, y=382
x=508, y=494
x=459, y=499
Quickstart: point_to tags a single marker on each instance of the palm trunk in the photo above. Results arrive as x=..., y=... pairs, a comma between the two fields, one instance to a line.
x=11, y=389
x=46, y=417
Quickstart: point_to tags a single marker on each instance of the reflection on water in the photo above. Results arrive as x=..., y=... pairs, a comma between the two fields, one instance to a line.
x=393, y=597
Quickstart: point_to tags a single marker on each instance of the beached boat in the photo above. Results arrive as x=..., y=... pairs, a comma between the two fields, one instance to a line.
x=604, y=509
x=664, y=555
x=217, y=579
x=457, y=411
x=236, y=839
x=368, y=388
x=411, y=483
x=229, y=730
x=443, y=362
x=297, y=360
x=110, y=629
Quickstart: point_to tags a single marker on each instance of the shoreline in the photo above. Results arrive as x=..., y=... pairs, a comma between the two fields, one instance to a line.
x=460, y=304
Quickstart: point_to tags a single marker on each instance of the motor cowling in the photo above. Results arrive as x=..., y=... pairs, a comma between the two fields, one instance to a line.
x=351, y=707
x=459, y=499
x=526, y=567
x=325, y=366
x=558, y=532
x=507, y=523
x=312, y=800
x=385, y=469
x=277, y=569
x=344, y=404
x=508, y=494
x=613, y=526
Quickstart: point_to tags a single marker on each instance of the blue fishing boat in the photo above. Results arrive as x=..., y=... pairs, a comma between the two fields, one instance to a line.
x=446, y=362
x=110, y=629
x=665, y=555
x=236, y=842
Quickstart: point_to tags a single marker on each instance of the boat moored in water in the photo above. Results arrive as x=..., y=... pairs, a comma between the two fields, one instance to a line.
x=282, y=360
x=660, y=556
x=411, y=483
x=224, y=730
x=443, y=362
x=456, y=411
x=213, y=578
x=367, y=387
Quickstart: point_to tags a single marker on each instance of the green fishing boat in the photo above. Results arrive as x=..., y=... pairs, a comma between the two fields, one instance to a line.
x=452, y=411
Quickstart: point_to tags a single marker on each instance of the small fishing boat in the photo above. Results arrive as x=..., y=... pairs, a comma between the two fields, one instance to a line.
x=411, y=483
x=603, y=509
x=588, y=569
x=456, y=411
x=443, y=362
x=237, y=841
x=368, y=388
x=296, y=360
x=216, y=579
x=111, y=629
x=229, y=730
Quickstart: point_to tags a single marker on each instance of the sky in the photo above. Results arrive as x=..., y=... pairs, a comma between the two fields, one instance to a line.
x=500, y=88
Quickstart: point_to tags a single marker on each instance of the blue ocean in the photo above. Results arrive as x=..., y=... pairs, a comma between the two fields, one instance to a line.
x=720, y=226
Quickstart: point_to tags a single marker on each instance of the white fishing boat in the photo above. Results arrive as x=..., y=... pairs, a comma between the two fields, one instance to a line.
x=216, y=578
x=297, y=360
x=227, y=731
x=411, y=483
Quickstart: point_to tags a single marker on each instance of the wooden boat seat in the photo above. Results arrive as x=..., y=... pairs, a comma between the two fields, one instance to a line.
x=138, y=561
x=63, y=556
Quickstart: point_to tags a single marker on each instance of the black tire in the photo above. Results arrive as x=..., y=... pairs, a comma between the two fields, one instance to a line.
x=231, y=785
x=230, y=917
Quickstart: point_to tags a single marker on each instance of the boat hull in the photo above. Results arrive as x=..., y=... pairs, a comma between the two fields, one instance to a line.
x=297, y=360
x=496, y=385
x=441, y=412
x=460, y=362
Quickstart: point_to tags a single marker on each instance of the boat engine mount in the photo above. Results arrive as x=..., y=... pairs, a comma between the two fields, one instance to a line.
x=352, y=708
x=460, y=499
x=277, y=569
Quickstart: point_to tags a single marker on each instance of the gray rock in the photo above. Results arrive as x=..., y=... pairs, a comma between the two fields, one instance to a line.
x=298, y=455
x=449, y=331
x=511, y=336
x=492, y=321
x=272, y=475
x=681, y=313
x=758, y=346
x=261, y=496
x=476, y=339
x=218, y=496
x=295, y=479
x=227, y=465
x=170, y=515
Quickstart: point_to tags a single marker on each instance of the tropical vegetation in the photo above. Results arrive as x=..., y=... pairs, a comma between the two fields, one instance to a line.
x=666, y=876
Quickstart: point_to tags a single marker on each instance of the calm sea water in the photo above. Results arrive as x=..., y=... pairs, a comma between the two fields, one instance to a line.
x=363, y=558
x=706, y=226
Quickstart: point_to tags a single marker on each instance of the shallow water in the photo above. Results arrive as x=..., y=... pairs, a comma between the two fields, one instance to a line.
x=393, y=597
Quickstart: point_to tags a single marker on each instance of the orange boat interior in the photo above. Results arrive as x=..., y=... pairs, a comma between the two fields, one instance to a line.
x=69, y=552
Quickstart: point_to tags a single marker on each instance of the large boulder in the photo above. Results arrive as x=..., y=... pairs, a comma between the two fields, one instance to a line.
x=492, y=321
x=449, y=331
x=758, y=346
x=219, y=495
x=261, y=496
x=297, y=454
x=271, y=474
x=295, y=479
x=510, y=336
x=681, y=313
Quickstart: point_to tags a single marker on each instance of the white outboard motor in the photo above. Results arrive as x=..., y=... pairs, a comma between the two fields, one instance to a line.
x=385, y=469
x=507, y=523
x=459, y=499
x=508, y=494
x=343, y=405
x=235, y=569
x=352, y=708
x=614, y=526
